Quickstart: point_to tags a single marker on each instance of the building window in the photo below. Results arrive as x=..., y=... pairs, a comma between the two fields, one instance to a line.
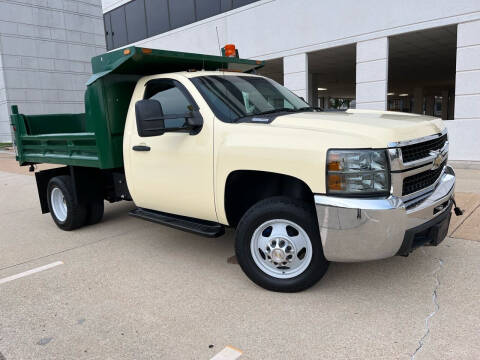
x=135, y=18
x=239, y=3
x=225, y=5
x=108, y=30
x=119, y=27
x=181, y=12
x=158, y=19
x=139, y=19
x=207, y=8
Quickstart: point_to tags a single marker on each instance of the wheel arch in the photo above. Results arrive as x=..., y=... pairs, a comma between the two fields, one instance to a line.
x=244, y=188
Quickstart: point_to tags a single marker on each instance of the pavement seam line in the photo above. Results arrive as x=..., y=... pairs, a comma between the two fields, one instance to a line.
x=64, y=251
x=463, y=221
x=436, y=307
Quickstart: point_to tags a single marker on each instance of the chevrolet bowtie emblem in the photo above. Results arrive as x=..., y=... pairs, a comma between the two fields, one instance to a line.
x=438, y=160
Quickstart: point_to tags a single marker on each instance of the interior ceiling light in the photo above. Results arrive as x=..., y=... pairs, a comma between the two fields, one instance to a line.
x=322, y=89
x=403, y=95
x=390, y=94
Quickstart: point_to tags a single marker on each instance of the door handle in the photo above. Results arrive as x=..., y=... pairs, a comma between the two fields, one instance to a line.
x=141, y=148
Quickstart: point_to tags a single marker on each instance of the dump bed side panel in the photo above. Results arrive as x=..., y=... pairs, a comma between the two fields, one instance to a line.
x=93, y=139
x=68, y=143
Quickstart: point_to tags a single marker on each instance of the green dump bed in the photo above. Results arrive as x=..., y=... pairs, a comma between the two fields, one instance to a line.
x=95, y=138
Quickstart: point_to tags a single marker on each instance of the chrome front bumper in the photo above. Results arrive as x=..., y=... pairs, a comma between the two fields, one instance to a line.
x=359, y=229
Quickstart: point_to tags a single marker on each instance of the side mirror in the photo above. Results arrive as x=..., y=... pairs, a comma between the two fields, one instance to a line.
x=150, y=118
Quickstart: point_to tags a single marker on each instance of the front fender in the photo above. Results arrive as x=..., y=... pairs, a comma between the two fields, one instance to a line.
x=293, y=152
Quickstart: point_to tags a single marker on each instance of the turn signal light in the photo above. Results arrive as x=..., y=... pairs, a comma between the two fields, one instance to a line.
x=146, y=51
x=334, y=166
x=126, y=52
x=335, y=182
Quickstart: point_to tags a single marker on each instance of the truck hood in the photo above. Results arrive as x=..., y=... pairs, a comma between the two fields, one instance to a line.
x=375, y=127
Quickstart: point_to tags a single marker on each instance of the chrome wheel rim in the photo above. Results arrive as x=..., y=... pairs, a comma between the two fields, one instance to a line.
x=59, y=205
x=281, y=248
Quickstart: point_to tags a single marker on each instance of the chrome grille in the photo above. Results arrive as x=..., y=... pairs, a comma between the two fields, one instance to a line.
x=416, y=166
x=422, y=180
x=422, y=150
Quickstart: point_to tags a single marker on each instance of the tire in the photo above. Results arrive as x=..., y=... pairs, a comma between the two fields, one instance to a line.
x=69, y=216
x=95, y=211
x=286, y=230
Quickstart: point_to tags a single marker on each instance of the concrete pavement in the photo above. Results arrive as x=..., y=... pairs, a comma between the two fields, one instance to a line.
x=130, y=289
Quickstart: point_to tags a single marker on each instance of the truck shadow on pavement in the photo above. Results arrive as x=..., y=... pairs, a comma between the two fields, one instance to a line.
x=115, y=211
x=370, y=278
x=374, y=277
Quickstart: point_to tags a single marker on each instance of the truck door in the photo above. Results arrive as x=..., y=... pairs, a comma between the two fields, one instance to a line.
x=174, y=172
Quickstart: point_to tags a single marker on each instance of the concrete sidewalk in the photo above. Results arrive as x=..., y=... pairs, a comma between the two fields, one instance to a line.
x=130, y=289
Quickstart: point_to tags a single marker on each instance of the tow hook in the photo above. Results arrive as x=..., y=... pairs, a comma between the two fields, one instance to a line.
x=457, y=210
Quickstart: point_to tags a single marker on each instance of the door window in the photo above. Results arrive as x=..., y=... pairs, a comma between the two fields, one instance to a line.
x=173, y=99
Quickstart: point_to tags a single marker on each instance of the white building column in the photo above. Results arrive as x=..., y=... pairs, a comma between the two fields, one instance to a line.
x=4, y=117
x=372, y=74
x=295, y=74
x=465, y=129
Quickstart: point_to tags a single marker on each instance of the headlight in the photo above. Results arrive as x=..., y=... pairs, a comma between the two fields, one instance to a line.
x=357, y=172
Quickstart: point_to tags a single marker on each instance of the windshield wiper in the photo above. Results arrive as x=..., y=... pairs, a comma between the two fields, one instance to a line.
x=274, y=111
x=266, y=113
x=312, y=108
x=302, y=109
x=290, y=110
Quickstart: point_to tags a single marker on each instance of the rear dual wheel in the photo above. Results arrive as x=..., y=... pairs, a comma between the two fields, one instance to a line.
x=65, y=213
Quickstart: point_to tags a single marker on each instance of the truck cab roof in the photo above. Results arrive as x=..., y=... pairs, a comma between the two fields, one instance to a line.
x=194, y=74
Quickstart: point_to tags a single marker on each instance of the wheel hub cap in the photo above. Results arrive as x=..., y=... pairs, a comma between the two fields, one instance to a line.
x=281, y=248
x=59, y=205
x=278, y=255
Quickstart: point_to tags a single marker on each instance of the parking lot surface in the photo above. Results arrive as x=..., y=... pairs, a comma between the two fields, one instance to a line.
x=130, y=289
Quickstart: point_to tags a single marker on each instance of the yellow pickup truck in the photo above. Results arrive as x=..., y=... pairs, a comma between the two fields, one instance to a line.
x=215, y=146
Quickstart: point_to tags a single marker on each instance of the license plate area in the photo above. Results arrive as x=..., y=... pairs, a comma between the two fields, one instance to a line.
x=431, y=233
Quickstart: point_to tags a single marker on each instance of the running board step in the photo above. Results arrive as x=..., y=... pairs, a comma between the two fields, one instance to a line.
x=199, y=227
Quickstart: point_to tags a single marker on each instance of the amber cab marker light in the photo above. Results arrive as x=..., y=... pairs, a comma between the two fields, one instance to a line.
x=146, y=51
x=126, y=52
x=230, y=50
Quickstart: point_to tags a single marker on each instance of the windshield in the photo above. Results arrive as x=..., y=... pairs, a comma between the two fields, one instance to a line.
x=235, y=97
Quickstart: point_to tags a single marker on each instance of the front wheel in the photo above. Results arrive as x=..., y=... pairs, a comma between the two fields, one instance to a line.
x=278, y=245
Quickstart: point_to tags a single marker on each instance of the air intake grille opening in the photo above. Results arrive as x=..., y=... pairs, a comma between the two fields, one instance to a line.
x=422, y=150
x=422, y=180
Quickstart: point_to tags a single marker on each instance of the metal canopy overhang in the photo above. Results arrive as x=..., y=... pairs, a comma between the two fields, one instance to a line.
x=139, y=61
